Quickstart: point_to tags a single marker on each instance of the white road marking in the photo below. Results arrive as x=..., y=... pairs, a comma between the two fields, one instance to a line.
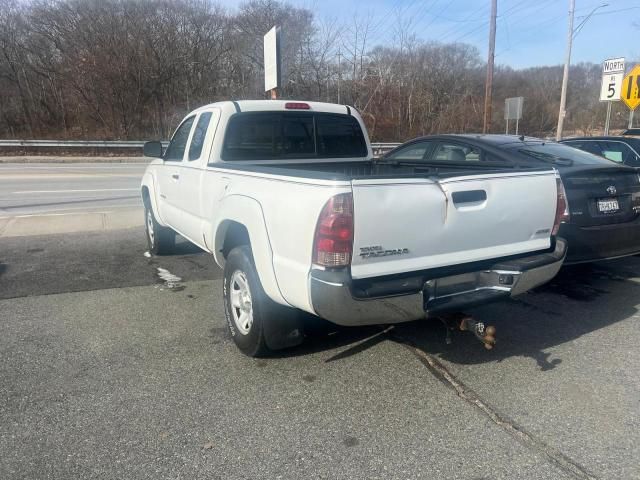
x=61, y=211
x=27, y=192
x=75, y=166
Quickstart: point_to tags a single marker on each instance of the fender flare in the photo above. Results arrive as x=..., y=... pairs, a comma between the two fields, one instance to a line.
x=247, y=212
x=148, y=182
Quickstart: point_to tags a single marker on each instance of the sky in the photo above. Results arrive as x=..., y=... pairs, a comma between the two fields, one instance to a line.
x=529, y=32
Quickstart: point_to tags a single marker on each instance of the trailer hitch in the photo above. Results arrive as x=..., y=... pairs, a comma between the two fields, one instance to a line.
x=466, y=323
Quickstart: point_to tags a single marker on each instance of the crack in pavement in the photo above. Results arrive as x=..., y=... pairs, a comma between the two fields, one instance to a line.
x=562, y=461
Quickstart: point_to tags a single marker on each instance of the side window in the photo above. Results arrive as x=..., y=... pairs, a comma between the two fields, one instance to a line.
x=200, y=132
x=587, y=146
x=618, y=152
x=175, y=150
x=451, y=152
x=490, y=157
x=414, y=152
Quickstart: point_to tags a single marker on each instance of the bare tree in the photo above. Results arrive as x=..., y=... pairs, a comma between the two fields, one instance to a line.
x=133, y=68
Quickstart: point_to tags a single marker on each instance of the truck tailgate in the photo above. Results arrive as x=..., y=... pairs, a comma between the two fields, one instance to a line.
x=404, y=225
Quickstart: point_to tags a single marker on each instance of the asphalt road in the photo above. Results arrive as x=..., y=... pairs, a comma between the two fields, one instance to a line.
x=108, y=371
x=30, y=189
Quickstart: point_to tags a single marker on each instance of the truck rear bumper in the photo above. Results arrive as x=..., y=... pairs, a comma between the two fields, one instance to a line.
x=333, y=299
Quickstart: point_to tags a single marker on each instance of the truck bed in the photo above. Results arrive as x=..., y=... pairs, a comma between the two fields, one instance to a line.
x=377, y=169
x=418, y=217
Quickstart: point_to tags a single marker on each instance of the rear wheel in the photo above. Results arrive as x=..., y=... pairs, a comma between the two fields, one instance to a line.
x=256, y=323
x=160, y=240
x=244, y=303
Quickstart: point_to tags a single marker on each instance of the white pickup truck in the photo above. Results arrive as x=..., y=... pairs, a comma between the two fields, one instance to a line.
x=289, y=200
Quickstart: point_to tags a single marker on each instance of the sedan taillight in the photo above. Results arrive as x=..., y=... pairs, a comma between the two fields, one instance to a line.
x=562, y=207
x=333, y=242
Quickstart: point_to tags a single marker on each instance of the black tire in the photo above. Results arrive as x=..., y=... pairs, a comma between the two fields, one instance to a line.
x=160, y=240
x=271, y=326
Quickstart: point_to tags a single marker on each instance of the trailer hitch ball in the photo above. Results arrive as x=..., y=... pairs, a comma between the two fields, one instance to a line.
x=466, y=323
x=487, y=335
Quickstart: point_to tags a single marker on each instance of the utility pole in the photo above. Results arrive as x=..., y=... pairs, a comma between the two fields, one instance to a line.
x=488, y=87
x=339, y=73
x=565, y=76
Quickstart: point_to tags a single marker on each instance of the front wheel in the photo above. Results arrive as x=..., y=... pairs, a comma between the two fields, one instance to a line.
x=160, y=240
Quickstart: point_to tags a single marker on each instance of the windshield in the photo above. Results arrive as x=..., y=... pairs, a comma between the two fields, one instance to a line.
x=557, y=153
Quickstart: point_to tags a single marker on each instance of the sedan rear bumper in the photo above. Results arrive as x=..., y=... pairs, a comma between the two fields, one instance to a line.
x=590, y=244
x=333, y=299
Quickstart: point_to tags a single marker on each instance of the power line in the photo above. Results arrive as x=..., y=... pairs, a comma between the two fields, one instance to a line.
x=455, y=29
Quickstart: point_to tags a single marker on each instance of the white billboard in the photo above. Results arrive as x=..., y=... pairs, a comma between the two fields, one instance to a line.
x=272, y=76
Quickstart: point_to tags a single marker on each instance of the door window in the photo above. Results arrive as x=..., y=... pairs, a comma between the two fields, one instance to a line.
x=587, y=146
x=414, y=152
x=455, y=153
x=199, y=134
x=618, y=152
x=175, y=150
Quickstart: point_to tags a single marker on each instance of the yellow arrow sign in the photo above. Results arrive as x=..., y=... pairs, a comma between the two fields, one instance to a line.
x=630, y=92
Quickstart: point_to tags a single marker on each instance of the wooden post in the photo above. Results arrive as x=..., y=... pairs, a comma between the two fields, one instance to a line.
x=565, y=75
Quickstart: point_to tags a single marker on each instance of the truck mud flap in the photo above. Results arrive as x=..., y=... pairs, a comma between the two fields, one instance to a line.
x=284, y=329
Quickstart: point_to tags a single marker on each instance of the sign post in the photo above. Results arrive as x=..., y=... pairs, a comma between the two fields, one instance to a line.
x=630, y=93
x=611, y=87
x=272, y=61
x=513, y=111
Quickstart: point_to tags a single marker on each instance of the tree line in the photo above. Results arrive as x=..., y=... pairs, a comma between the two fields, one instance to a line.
x=131, y=69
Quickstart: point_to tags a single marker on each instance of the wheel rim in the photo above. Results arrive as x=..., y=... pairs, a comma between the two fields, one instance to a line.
x=241, y=303
x=150, y=231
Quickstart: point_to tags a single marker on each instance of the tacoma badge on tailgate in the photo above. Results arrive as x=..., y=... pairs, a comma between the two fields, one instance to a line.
x=379, y=251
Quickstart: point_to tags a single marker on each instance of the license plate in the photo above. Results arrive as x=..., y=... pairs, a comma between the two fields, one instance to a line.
x=608, y=205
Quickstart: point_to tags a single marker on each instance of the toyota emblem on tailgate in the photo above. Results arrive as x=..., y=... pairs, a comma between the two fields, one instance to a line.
x=611, y=190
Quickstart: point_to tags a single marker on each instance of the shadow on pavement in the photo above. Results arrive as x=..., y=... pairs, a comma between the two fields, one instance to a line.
x=580, y=300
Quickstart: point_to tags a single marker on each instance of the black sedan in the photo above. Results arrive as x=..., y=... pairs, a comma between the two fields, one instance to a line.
x=625, y=150
x=603, y=196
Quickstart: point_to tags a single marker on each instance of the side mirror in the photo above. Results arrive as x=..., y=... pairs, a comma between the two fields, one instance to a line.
x=152, y=149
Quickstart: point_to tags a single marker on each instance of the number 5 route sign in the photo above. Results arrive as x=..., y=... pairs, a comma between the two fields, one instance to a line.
x=630, y=92
x=612, y=75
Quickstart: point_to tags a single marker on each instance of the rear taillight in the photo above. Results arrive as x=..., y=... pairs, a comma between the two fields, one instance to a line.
x=333, y=243
x=562, y=207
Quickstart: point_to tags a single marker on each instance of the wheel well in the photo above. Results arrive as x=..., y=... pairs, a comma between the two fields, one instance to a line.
x=235, y=236
x=146, y=199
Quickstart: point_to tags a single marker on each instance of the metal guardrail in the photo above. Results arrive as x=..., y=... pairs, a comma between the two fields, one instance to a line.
x=378, y=148
x=74, y=143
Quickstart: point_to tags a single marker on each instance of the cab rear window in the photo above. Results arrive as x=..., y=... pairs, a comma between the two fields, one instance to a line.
x=292, y=135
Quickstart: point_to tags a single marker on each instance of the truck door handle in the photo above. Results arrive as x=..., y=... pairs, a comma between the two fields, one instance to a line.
x=469, y=196
x=175, y=176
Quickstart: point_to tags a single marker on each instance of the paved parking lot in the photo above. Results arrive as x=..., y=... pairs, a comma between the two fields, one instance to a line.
x=109, y=371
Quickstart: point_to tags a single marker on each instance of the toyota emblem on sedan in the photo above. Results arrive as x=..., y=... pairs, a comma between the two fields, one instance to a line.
x=611, y=190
